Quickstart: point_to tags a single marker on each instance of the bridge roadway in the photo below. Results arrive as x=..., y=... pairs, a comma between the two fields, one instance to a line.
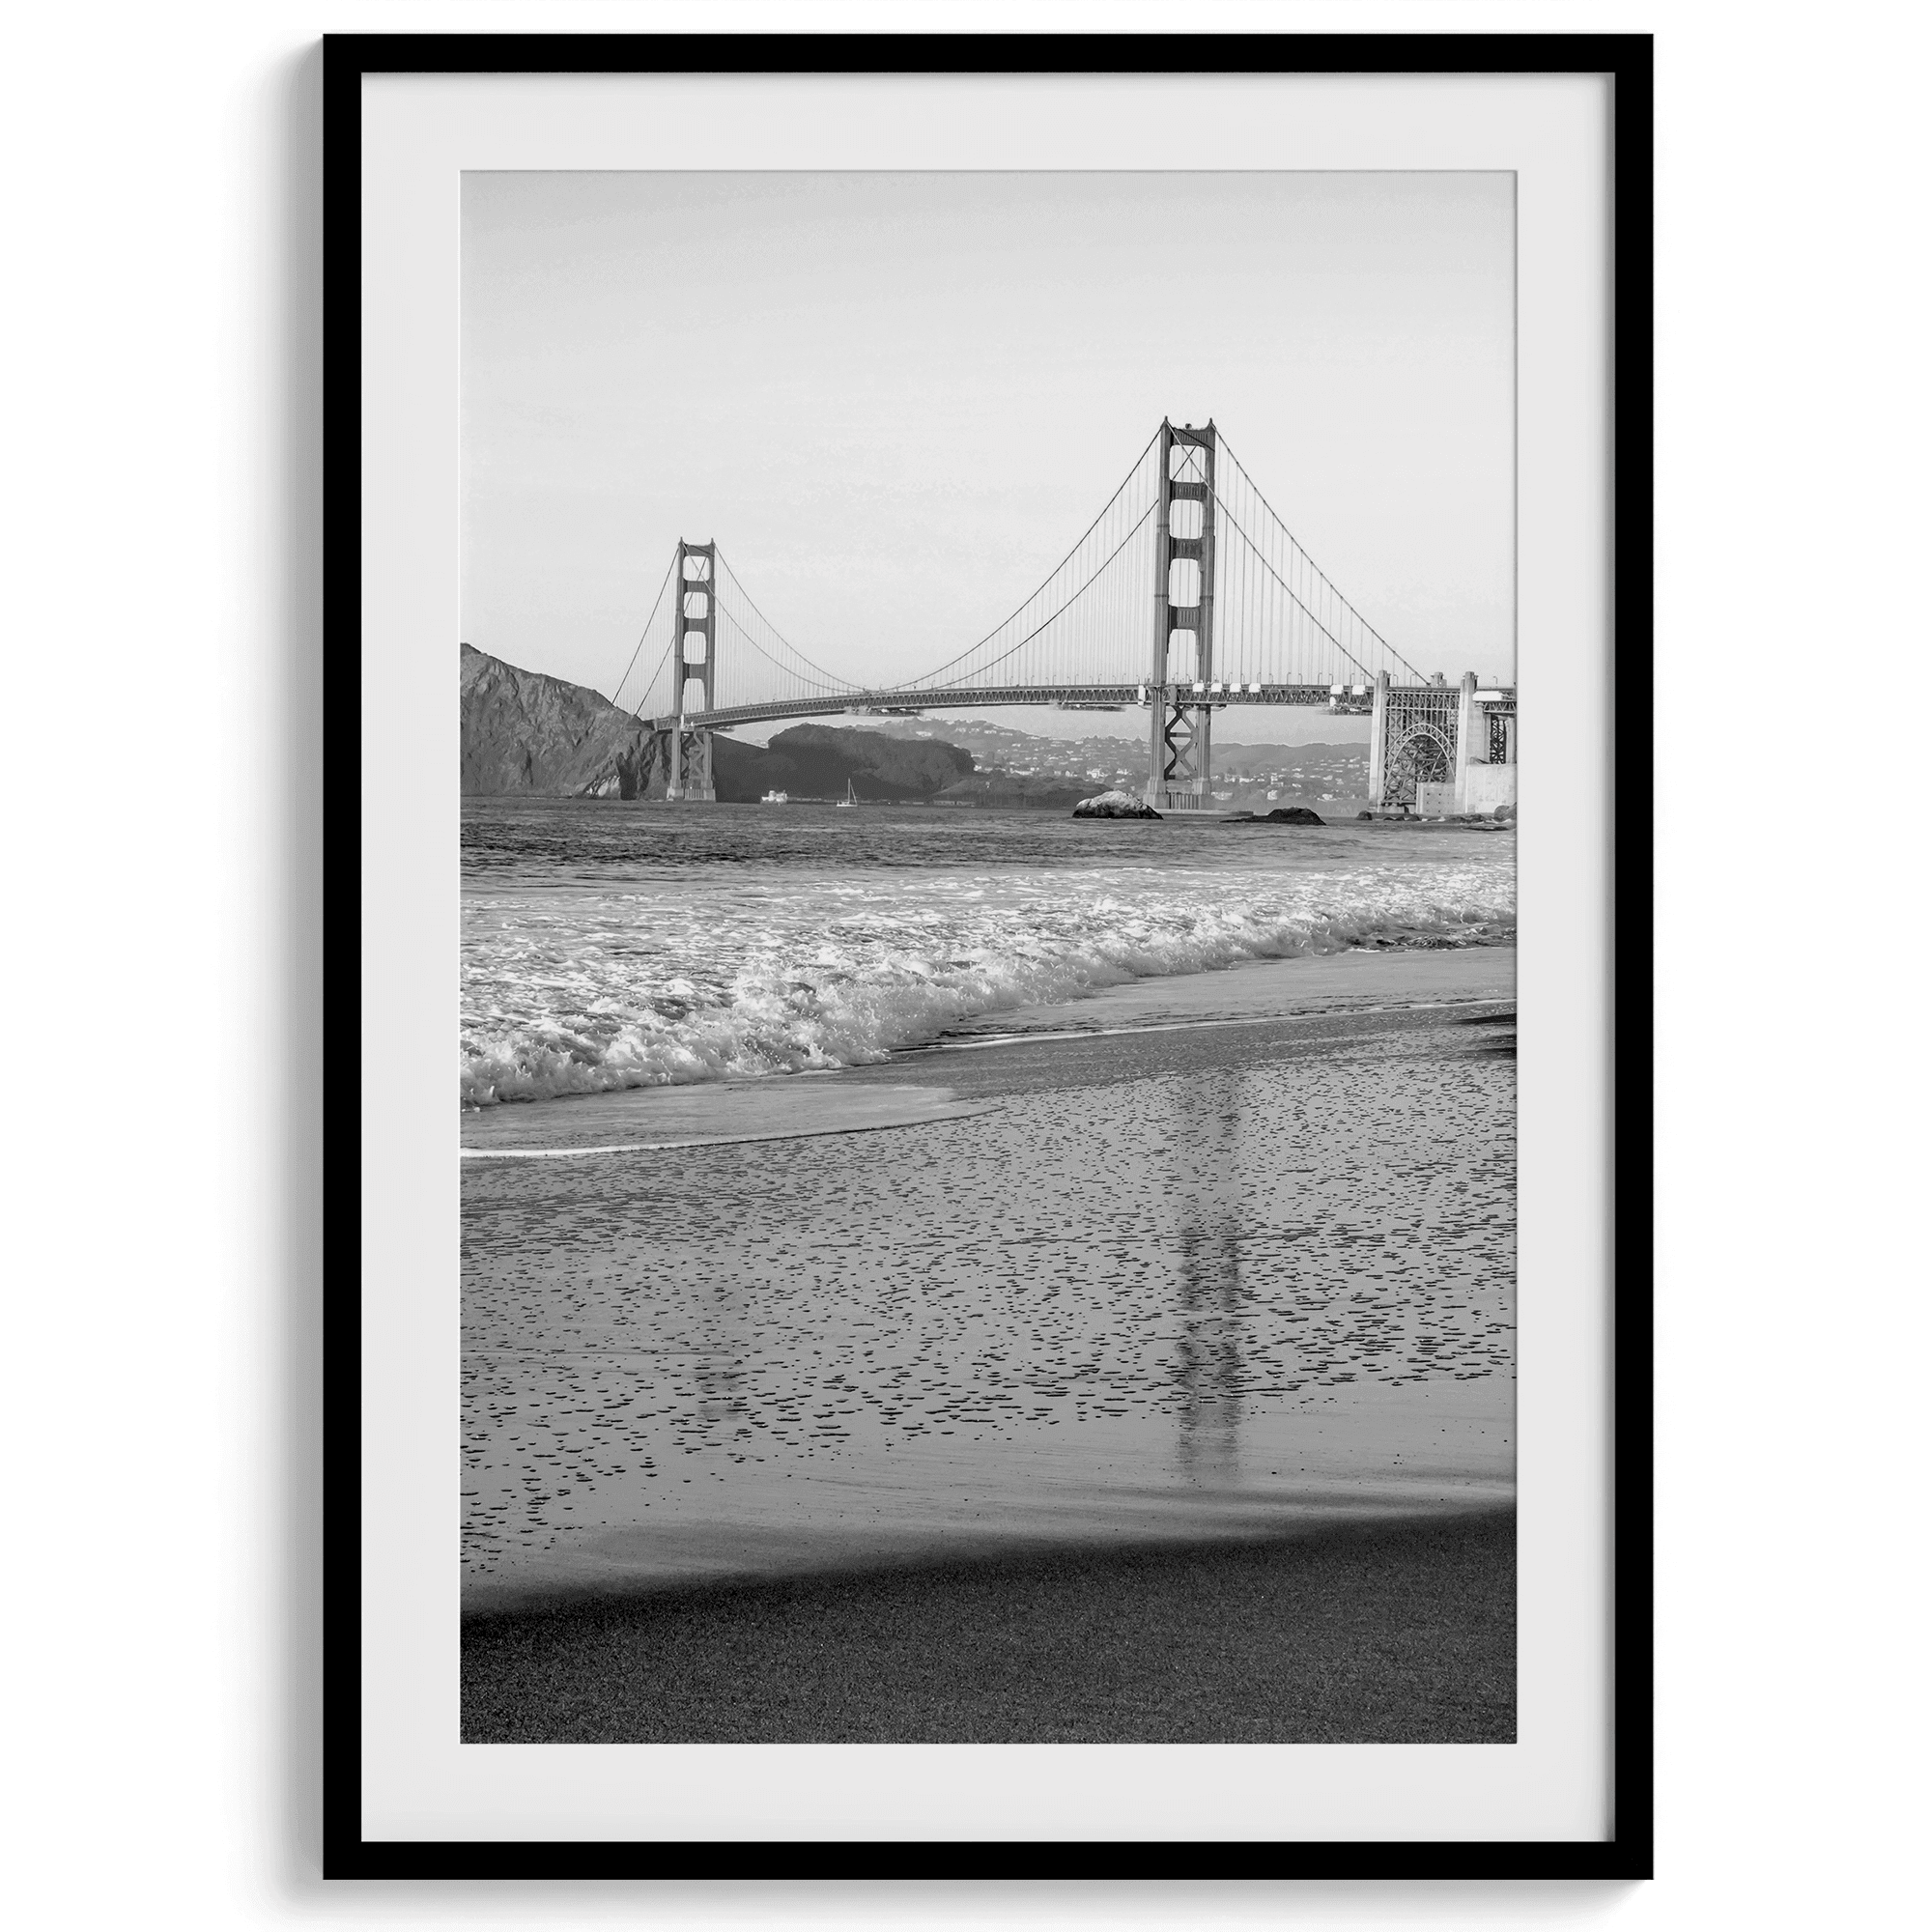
x=1356, y=698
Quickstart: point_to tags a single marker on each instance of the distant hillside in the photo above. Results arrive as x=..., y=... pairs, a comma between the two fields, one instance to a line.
x=815, y=761
x=1003, y=788
x=1244, y=761
x=1096, y=759
x=524, y=733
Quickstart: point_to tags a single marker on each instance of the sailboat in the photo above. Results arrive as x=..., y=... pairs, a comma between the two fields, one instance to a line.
x=851, y=797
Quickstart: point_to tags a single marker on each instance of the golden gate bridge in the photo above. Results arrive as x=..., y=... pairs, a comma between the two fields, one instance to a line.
x=1186, y=595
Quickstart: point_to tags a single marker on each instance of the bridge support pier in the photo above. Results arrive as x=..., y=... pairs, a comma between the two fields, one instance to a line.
x=1180, y=723
x=1442, y=747
x=686, y=752
x=1378, y=742
x=1467, y=747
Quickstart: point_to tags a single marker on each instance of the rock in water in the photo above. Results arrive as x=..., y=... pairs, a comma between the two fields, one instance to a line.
x=1296, y=814
x=1114, y=805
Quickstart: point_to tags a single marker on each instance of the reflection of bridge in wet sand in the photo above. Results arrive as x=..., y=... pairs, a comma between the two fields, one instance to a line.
x=1210, y=1355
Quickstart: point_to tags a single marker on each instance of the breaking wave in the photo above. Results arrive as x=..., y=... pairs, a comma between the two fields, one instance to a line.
x=603, y=991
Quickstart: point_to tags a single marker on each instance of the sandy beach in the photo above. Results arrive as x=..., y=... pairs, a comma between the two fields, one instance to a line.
x=1208, y=1277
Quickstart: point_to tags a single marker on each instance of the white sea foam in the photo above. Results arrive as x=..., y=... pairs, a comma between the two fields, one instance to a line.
x=779, y=971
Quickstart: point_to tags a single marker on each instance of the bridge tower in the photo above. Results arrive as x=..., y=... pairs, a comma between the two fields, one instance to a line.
x=694, y=661
x=1182, y=674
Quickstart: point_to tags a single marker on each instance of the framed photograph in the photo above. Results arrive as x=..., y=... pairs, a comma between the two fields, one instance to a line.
x=1042, y=1254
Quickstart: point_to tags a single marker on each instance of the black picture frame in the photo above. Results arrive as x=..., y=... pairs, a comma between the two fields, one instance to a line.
x=1628, y=60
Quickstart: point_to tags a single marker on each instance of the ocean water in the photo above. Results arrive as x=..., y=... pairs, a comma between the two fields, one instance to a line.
x=609, y=946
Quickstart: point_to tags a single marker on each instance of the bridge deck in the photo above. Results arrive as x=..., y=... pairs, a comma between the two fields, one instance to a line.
x=1356, y=700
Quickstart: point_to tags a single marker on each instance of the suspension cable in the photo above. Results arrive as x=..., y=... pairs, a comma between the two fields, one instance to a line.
x=838, y=684
x=663, y=657
x=841, y=683
x=960, y=684
x=1133, y=470
x=1318, y=572
x=1262, y=560
x=645, y=633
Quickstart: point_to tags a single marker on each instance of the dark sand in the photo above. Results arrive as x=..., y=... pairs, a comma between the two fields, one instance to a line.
x=1389, y=1632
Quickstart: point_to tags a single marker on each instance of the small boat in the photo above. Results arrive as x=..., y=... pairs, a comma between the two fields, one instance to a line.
x=851, y=797
x=776, y=797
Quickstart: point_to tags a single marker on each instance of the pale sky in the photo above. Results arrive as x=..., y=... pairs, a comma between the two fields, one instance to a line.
x=897, y=400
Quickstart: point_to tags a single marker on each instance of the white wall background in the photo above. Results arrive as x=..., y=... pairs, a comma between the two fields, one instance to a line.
x=158, y=583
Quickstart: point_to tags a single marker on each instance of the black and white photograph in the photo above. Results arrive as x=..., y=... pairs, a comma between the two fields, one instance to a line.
x=986, y=1056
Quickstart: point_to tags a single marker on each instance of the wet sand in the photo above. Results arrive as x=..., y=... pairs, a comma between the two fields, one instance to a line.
x=731, y=1113
x=1265, y=989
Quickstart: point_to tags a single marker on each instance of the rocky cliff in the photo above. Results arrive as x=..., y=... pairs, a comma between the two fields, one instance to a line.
x=525, y=732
